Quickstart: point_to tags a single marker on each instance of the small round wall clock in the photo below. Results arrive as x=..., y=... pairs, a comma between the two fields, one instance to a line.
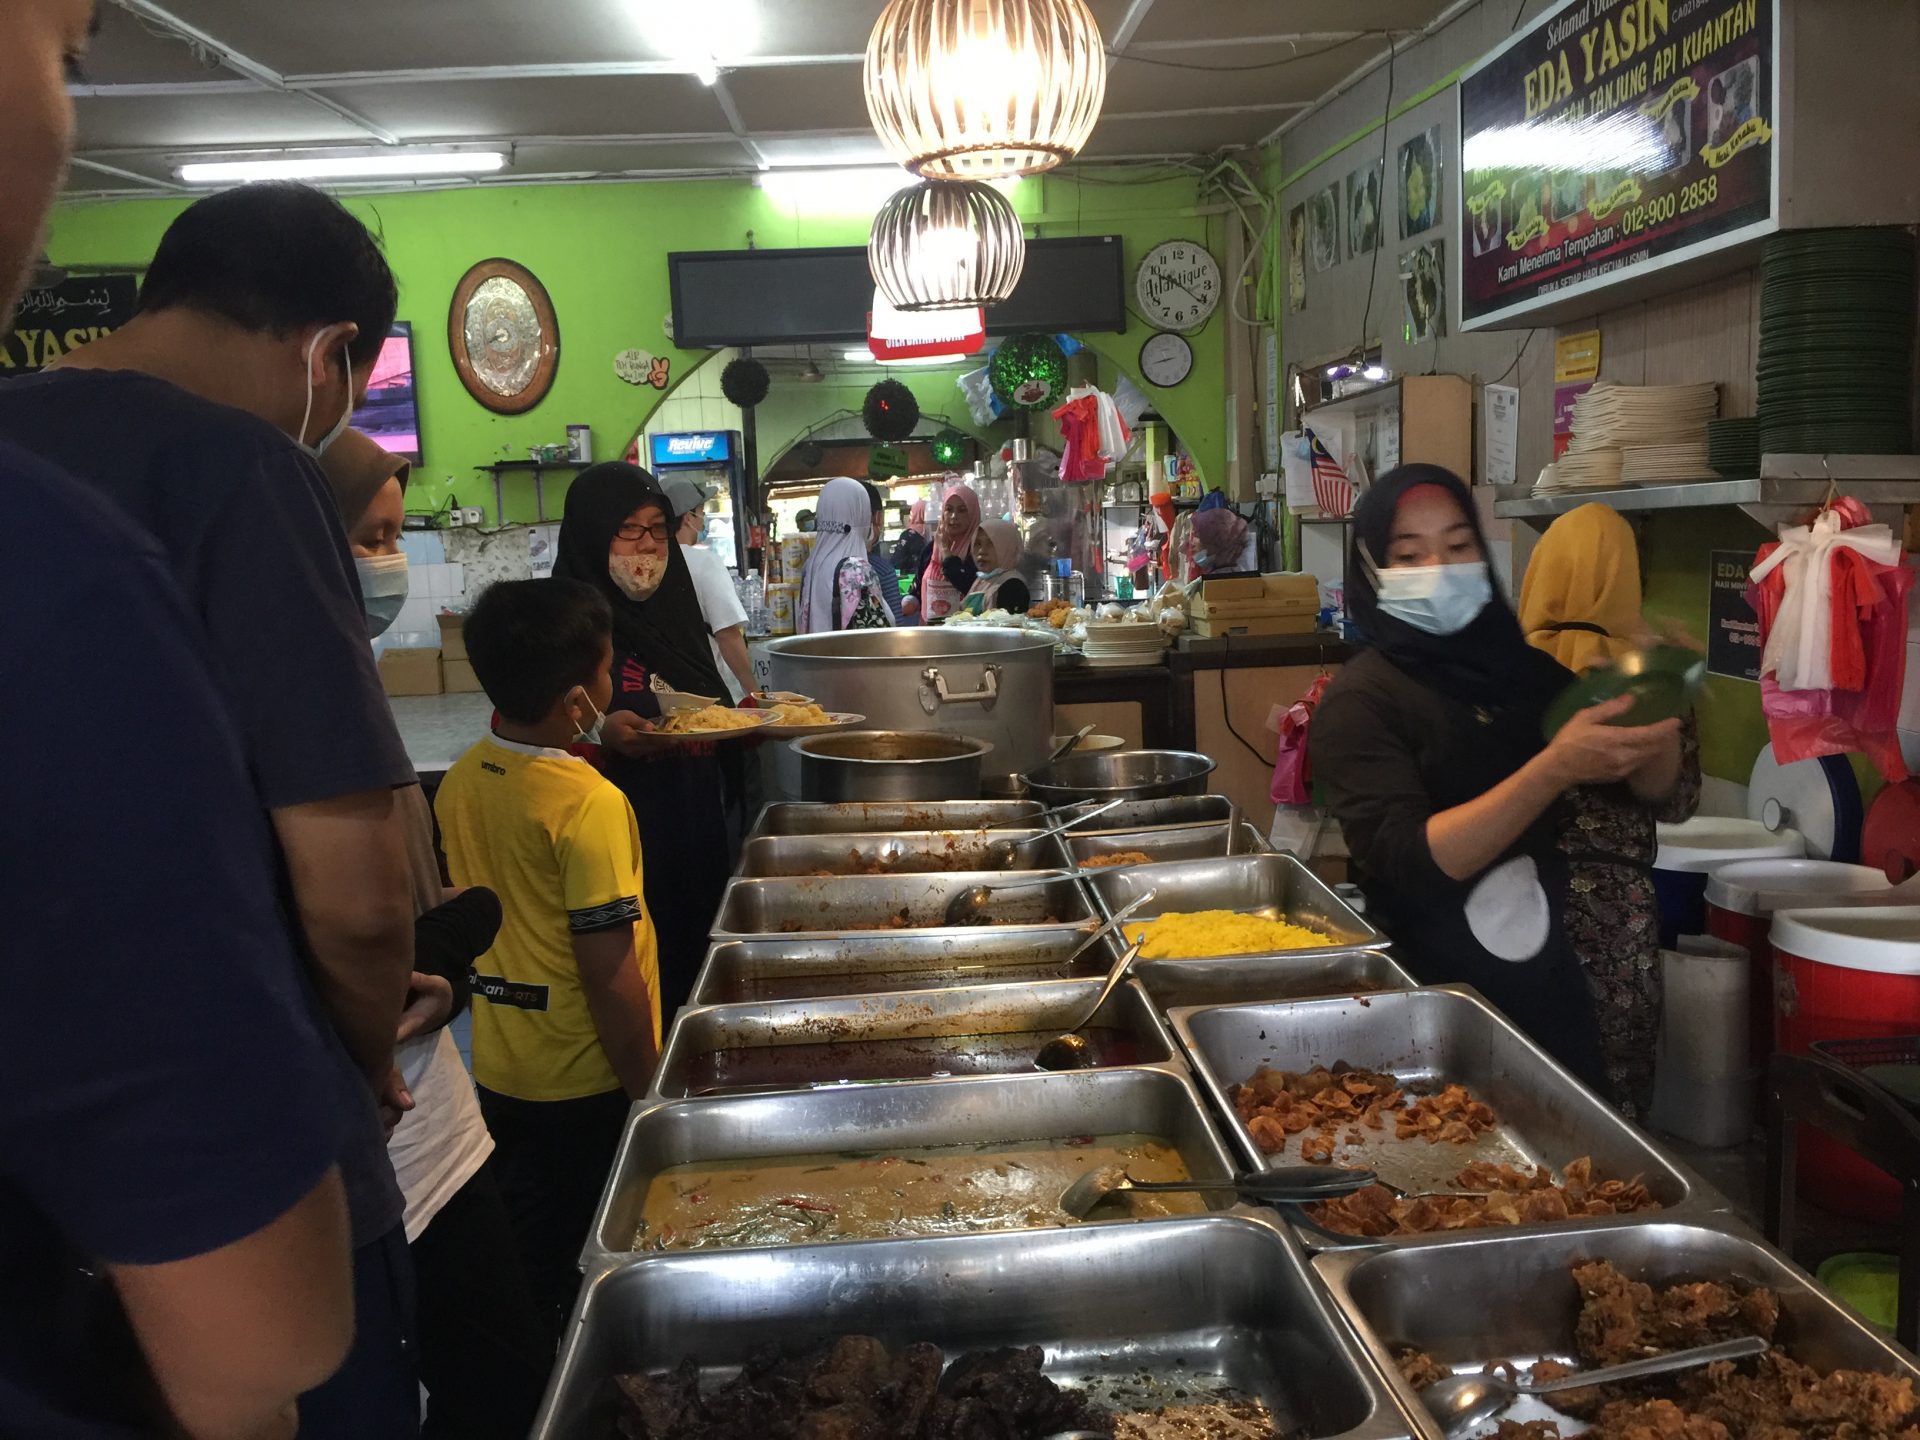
x=504, y=336
x=1177, y=285
x=1166, y=359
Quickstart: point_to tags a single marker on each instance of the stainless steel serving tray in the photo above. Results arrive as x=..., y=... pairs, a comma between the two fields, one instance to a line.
x=1152, y=814
x=908, y=852
x=1161, y=843
x=843, y=903
x=1276, y=886
x=800, y=817
x=845, y=1023
x=1428, y=1038
x=881, y=1118
x=1500, y=1295
x=1284, y=975
x=777, y=968
x=1230, y=1302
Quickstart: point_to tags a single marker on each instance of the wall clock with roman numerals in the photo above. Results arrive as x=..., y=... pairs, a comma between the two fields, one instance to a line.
x=1177, y=285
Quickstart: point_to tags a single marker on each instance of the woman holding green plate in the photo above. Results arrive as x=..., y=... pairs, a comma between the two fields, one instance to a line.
x=1431, y=750
x=1580, y=603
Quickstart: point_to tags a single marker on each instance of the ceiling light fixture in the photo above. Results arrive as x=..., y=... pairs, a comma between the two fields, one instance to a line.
x=946, y=245
x=343, y=167
x=968, y=89
x=867, y=357
x=703, y=35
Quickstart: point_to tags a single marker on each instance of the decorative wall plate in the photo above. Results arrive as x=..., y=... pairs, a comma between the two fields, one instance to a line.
x=504, y=336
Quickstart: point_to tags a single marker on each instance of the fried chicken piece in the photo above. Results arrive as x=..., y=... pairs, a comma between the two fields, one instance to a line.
x=1612, y=1324
x=1654, y=1420
x=1317, y=1150
x=1419, y=1369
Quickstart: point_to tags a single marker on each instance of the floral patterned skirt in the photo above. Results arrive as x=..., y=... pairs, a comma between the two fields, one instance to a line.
x=1612, y=922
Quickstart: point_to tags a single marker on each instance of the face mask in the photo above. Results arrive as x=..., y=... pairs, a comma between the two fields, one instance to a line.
x=638, y=576
x=320, y=447
x=383, y=589
x=1439, y=599
x=591, y=734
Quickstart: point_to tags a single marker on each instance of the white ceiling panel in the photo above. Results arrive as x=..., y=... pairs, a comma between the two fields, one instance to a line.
x=582, y=105
x=1226, y=78
x=260, y=118
x=1180, y=20
x=1177, y=135
x=128, y=52
x=800, y=98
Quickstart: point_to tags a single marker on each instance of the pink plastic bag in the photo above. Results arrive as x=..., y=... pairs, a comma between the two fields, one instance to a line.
x=1292, y=774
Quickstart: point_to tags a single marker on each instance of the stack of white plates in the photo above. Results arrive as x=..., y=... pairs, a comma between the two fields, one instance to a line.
x=1637, y=435
x=1120, y=643
x=1665, y=464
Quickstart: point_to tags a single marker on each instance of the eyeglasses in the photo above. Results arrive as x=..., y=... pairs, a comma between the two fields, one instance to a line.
x=660, y=533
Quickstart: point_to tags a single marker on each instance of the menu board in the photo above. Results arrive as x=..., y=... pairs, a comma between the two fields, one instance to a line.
x=1733, y=630
x=1613, y=136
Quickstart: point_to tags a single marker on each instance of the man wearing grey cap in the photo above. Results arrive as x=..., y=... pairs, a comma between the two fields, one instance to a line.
x=719, y=604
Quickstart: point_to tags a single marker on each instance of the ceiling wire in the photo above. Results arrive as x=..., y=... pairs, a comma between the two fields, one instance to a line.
x=1294, y=59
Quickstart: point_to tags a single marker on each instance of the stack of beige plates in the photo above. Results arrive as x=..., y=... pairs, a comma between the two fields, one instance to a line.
x=1636, y=435
x=1114, y=644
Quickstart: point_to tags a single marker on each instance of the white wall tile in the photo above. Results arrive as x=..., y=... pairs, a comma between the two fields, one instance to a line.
x=1910, y=692
x=456, y=580
x=422, y=547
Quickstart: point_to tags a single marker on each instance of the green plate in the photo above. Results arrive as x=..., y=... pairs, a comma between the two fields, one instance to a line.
x=1662, y=680
x=1867, y=1281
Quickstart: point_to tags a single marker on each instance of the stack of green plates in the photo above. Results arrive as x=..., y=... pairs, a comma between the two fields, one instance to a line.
x=1733, y=447
x=1836, y=342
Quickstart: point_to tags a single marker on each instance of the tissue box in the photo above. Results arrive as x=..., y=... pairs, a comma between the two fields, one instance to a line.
x=410, y=672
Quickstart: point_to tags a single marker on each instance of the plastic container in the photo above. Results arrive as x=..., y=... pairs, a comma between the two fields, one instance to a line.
x=1844, y=974
x=1703, y=1083
x=1692, y=850
x=1741, y=898
x=1868, y=1281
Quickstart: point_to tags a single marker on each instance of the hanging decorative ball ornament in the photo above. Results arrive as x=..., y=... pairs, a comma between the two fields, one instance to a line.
x=949, y=448
x=972, y=89
x=1029, y=370
x=744, y=382
x=946, y=245
x=890, y=411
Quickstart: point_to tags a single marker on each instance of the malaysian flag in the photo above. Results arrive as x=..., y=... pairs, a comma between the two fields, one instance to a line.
x=1332, y=491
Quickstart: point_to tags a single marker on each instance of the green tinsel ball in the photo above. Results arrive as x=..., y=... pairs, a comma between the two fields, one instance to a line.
x=1029, y=371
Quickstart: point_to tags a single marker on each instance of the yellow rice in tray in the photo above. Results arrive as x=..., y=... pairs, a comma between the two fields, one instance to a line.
x=1181, y=934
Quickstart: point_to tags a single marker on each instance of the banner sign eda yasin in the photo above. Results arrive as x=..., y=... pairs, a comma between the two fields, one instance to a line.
x=1611, y=138
x=53, y=319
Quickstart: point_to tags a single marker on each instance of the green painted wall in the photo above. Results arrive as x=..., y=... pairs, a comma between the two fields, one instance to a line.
x=601, y=252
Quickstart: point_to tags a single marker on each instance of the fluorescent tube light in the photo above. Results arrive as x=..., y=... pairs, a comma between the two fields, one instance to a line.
x=343, y=167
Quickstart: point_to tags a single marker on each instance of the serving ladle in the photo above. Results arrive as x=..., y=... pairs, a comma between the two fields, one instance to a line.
x=1462, y=1402
x=1002, y=854
x=1072, y=1050
x=1289, y=1185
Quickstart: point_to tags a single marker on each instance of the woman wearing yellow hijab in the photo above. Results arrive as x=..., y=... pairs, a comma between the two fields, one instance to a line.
x=1580, y=602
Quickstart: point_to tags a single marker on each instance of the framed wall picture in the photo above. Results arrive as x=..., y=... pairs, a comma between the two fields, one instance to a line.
x=1363, y=210
x=504, y=336
x=1420, y=183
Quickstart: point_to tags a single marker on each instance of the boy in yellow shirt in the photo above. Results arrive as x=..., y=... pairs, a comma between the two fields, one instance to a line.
x=566, y=1010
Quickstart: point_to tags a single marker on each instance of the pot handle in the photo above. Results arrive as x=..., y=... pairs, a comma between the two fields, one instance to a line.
x=934, y=692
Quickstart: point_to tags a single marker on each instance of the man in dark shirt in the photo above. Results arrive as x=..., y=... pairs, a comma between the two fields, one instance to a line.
x=146, y=1199
x=260, y=319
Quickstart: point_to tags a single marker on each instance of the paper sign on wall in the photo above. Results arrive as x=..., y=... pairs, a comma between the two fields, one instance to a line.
x=1503, y=434
x=1733, y=630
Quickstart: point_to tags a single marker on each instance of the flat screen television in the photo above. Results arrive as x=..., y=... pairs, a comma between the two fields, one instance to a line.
x=805, y=297
x=391, y=415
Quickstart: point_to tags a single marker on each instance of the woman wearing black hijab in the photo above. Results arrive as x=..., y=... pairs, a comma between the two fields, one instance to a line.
x=617, y=535
x=1430, y=751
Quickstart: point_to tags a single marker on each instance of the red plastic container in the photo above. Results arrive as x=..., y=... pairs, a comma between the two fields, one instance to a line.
x=1843, y=974
x=1741, y=899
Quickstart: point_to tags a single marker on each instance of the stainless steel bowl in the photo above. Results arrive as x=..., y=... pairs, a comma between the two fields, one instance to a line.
x=1121, y=775
x=890, y=765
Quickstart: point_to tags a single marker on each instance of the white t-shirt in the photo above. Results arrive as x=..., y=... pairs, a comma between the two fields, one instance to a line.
x=443, y=1139
x=719, y=604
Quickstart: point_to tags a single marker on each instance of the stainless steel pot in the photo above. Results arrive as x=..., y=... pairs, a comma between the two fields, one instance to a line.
x=890, y=765
x=995, y=685
x=1121, y=774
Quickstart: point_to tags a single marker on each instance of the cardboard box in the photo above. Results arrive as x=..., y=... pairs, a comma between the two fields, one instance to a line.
x=1233, y=587
x=410, y=672
x=1215, y=627
x=1245, y=609
x=453, y=636
x=458, y=676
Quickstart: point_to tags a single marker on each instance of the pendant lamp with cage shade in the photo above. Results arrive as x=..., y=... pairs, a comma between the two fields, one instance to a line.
x=974, y=89
x=946, y=245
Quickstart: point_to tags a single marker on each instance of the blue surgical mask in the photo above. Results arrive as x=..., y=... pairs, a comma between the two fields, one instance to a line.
x=590, y=735
x=319, y=447
x=383, y=589
x=1439, y=599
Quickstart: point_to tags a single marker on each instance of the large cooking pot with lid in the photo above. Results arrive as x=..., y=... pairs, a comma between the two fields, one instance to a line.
x=995, y=685
x=868, y=765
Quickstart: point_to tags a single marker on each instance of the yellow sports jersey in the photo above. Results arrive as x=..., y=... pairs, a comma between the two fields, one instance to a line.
x=558, y=844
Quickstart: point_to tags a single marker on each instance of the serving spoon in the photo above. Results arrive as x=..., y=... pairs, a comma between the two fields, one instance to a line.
x=1462, y=1402
x=1105, y=925
x=1290, y=1185
x=1001, y=854
x=1072, y=1051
